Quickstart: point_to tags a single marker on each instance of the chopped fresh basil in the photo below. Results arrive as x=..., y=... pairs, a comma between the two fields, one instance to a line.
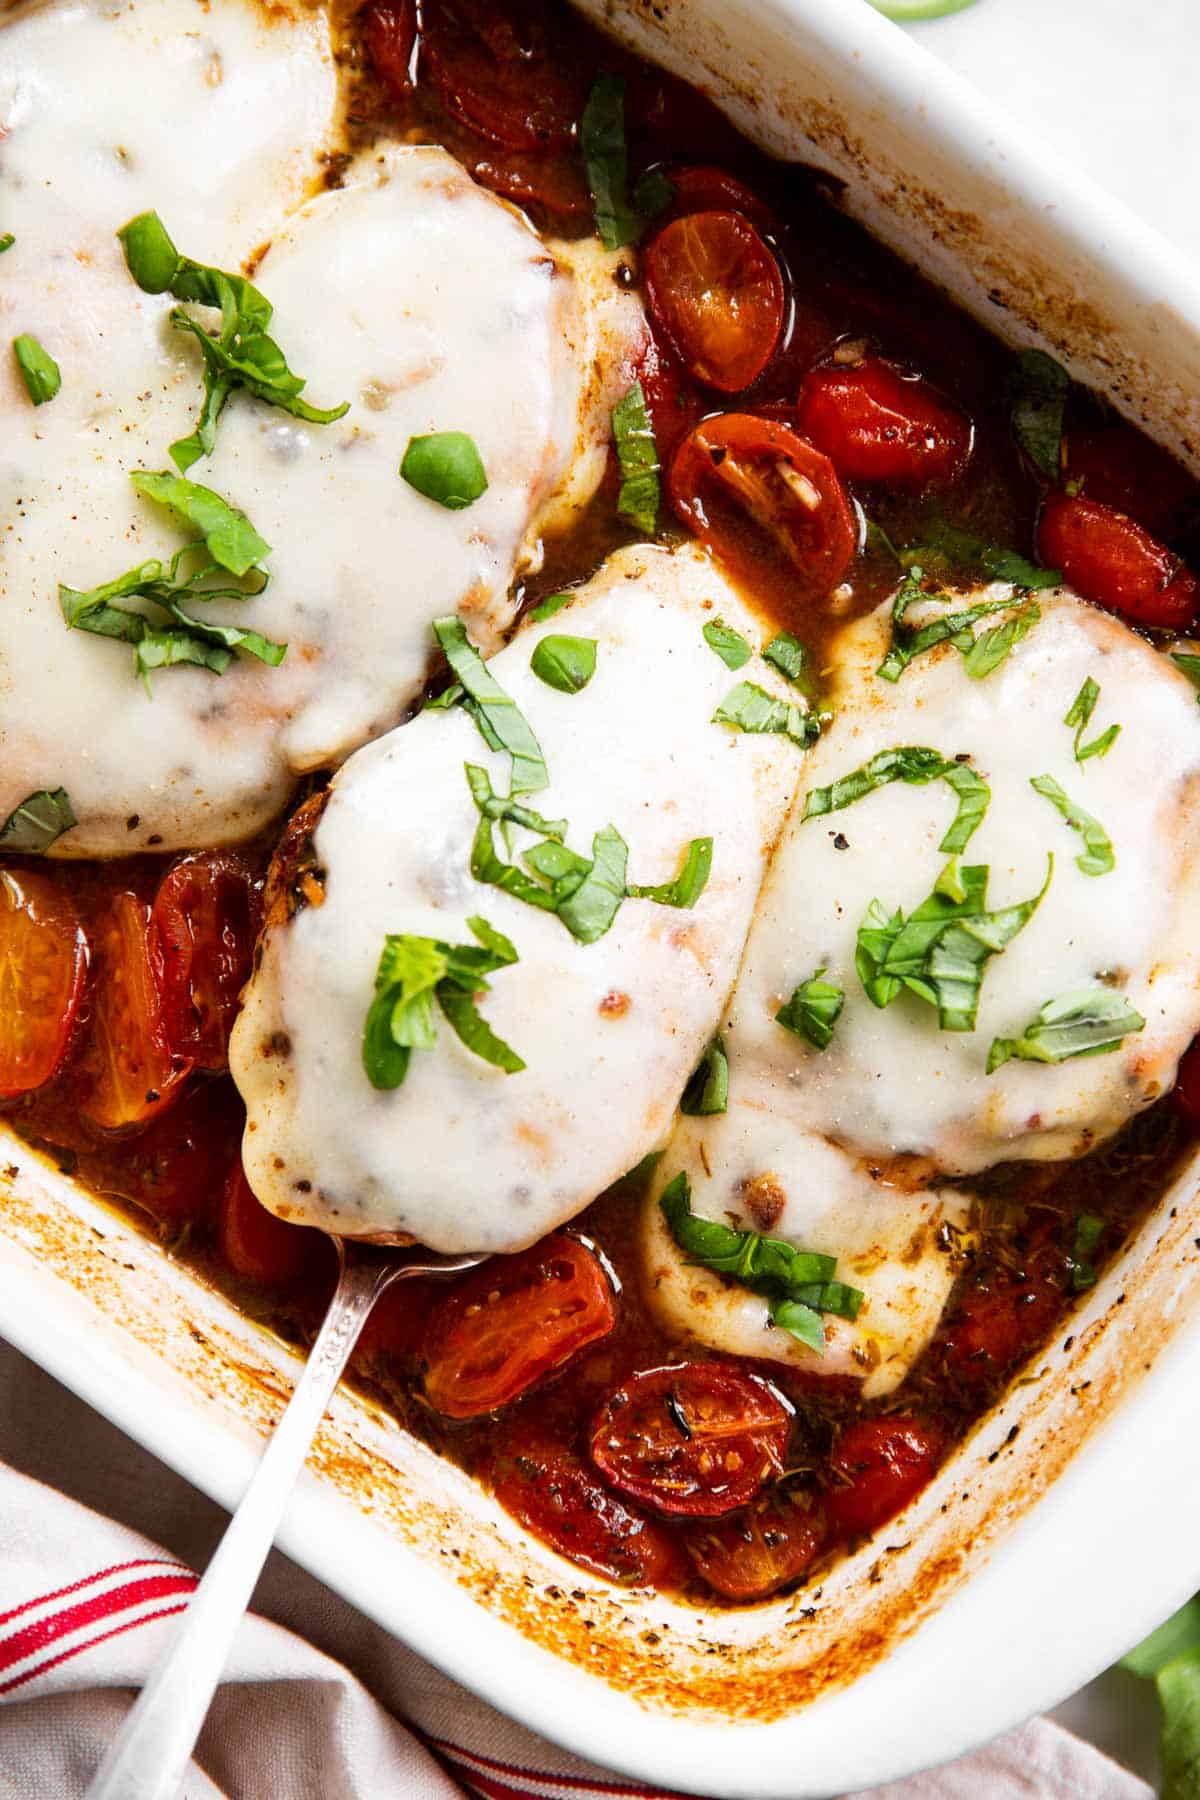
x=1098, y=857
x=941, y=950
x=39, y=371
x=982, y=654
x=813, y=1011
x=688, y=885
x=501, y=723
x=1082, y=708
x=1037, y=397
x=588, y=912
x=907, y=12
x=564, y=663
x=230, y=538
x=546, y=609
x=488, y=866
x=39, y=821
x=1188, y=665
x=637, y=455
x=787, y=654
x=1089, y=1229
x=504, y=808
x=730, y=645
x=1170, y=1657
x=949, y=545
x=240, y=355
x=445, y=466
x=1082, y=1022
x=751, y=709
x=653, y=192
x=914, y=764
x=799, y=1285
x=707, y=1090
x=6, y=242
x=413, y=972
x=602, y=139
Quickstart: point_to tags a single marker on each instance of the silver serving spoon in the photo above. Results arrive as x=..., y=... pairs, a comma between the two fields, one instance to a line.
x=148, y=1758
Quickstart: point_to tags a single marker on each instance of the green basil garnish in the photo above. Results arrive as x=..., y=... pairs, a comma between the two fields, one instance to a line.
x=1097, y=857
x=637, y=455
x=1089, y=1229
x=1082, y=1022
x=413, y=972
x=729, y=645
x=564, y=663
x=799, y=1285
x=39, y=821
x=501, y=723
x=914, y=764
x=787, y=654
x=707, y=1090
x=229, y=537
x=949, y=545
x=602, y=140
x=6, y=242
x=751, y=709
x=445, y=466
x=653, y=192
x=546, y=609
x=982, y=654
x=590, y=909
x=688, y=885
x=991, y=648
x=39, y=371
x=1037, y=397
x=813, y=1011
x=1082, y=708
x=1189, y=665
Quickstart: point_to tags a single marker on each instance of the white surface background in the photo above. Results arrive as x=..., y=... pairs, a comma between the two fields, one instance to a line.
x=1114, y=86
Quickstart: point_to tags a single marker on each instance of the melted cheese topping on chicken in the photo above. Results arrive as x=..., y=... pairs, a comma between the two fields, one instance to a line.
x=425, y=302
x=843, y=1150
x=463, y=1156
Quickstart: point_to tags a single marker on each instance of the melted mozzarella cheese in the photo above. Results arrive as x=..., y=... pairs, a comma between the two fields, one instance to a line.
x=849, y=1144
x=427, y=303
x=462, y=1155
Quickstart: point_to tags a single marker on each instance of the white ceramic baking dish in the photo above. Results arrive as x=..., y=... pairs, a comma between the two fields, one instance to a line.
x=1066, y=1526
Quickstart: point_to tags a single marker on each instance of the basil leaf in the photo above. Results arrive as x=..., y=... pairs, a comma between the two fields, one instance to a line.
x=1188, y=665
x=1081, y=1022
x=413, y=972
x=228, y=637
x=564, y=869
x=974, y=798
x=1082, y=708
x=602, y=139
x=955, y=628
x=1176, y=1637
x=487, y=865
x=729, y=644
x=546, y=609
x=914, y=764
x=802, y=1322
x=564, y=663
x=39, y=371
x=653, y=192
x=1098, y=857
x=445, y=466
x=707, y=1090
x=992, y=647
x=229, y=537
x=787, y=654
x=876, y=935
x=591, y=909
x=503, y=806
x=637, y=456
x=942, y=542
x=751, y=709
x=39, y=821
x=150, y=255
x=6, y=242
x=690, y=882
x=1037, y=397
x=497, y=711
x=1178, y=1687
x=1089, y=1229
x=813, y=1011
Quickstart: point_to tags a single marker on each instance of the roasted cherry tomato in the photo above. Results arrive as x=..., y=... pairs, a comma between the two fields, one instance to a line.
x=756, y=1551
x=556, y=1496
x=1001, y=1316
x=875, y=423
x=508, y=79
x=514, y=1320
x=202, y=929
x=176, y=1167
x=260, y=1247
x=702, y=187
x=128, y=1068
x=390, y=30
x=695, y=1439
x=527, y=179
x=1187, y=1083
x=1116, y=465
x=881, y=1464
x=766, y=502
x=1109, y=559
x=43, y=963
x=715, y=290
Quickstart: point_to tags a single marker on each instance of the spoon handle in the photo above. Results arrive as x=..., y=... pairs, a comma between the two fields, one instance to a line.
x=148, y=1758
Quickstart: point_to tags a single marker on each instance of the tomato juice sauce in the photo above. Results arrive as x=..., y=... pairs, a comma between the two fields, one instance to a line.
x=503, y=86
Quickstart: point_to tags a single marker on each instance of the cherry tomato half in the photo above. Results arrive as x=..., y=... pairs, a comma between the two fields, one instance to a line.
x=1187, y=1083
x=715, y=289
x=514, y=1320
x=876, y=423
x=43, y=963
x=702, y=187
x=527, y=179
x=509, y=81
x=695, y=1439
x=556, y=1496
x=390, y=30
x=1001, y=1316
x=202, y=928
x=764, y=501
x=260, y=1247
x=1112, y=561
x=883, y=1463
x=1115, y=464
x=128, y=1070
x=753, y=1553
